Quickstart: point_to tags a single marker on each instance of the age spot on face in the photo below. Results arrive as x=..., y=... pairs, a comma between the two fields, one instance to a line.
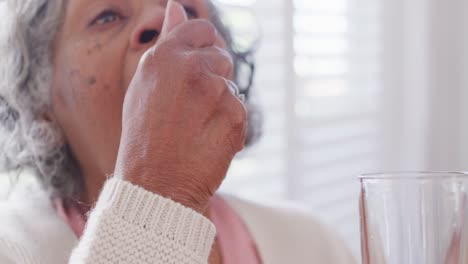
x=91, y=80
x=98, y=46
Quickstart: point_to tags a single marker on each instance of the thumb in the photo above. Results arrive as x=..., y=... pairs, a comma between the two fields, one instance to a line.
x=175, y=15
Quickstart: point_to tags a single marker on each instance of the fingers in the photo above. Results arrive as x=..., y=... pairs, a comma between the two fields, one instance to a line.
x=197, y=33
x=218, y=61
x=228, y=119
x=175, y=15
x=234, y=89
x=215, y=91
x=236, y=116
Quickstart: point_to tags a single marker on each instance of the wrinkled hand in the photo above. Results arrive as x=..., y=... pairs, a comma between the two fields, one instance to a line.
x=182, y=125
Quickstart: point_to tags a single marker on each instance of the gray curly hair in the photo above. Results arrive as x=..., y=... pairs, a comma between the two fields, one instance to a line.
x=27, y=139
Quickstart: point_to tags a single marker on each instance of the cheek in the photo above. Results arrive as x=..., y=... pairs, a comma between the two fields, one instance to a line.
x=85, y=74
x=66, y=93
x=86, y=94
x=87, y=104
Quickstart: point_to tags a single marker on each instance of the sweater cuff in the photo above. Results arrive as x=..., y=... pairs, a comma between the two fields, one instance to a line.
x=158, y=215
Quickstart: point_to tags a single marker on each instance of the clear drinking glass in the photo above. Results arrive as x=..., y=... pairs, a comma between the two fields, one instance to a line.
x=414, y=218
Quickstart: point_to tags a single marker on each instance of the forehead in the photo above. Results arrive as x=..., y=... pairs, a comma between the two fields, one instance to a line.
x=202, y=6
x=141, y=2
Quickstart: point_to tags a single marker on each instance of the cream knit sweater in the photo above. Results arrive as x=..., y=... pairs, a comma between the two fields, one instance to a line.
x=131, y=225
x=128, y=225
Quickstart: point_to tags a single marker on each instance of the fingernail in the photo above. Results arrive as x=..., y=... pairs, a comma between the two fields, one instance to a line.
x=169, y=7
x=167, y=17
x=170, y=4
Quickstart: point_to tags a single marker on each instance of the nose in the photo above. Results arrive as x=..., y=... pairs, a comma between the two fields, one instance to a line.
x=147, y=29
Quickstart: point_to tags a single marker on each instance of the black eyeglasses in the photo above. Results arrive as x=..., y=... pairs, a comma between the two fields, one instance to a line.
x=245, y=73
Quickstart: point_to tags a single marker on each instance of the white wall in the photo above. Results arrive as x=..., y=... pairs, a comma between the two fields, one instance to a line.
x=425, y=81
x=463, y=152
x=405, y=84
x=447, y=84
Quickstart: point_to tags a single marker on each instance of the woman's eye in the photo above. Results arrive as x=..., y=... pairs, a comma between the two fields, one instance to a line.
x=105, y=17
x=191, y=12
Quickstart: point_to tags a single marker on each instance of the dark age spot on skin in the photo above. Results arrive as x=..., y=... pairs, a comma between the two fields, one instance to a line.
x=91, y=80
x=98, y=46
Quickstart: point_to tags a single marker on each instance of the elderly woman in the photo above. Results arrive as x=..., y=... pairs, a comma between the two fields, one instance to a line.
x=127, y=113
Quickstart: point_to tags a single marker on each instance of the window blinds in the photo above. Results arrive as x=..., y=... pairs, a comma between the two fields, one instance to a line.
x=319, y=86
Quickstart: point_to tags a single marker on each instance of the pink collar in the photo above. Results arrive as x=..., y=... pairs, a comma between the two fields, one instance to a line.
x=235, y=241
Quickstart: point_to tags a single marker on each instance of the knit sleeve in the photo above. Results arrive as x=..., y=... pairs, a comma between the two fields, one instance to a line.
x=13, y=253
x=132, y=225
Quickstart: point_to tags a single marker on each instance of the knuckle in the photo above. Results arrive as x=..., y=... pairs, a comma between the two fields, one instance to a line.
x=226, y=54
x=155, y=55
x=166, y=50
x=228, y=64
x=214, y=93
x=225, y=61
x=238, y=127
x=193, y=67
x=239, y=118
x=218, y=92
x=164, y=46
x=206, y=28
x=194, y=59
